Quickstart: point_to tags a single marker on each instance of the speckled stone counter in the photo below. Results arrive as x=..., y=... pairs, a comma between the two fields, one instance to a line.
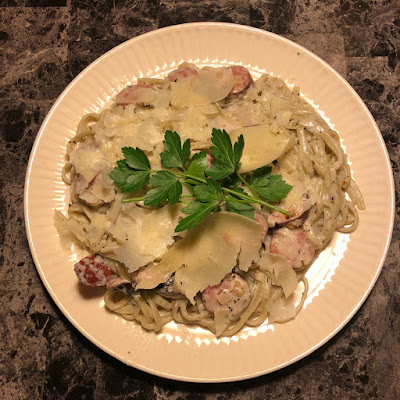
x=44, y=44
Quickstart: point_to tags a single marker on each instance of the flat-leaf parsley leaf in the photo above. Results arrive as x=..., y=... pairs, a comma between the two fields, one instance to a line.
x=197, y=212
x=174, y=155
x=136, y=158
x=236, y=205
x=209, y=191
x=217, y=187
x=128, y=179
x=166, y=187
x=197, y=167
x=227, y=158
x=271, y=187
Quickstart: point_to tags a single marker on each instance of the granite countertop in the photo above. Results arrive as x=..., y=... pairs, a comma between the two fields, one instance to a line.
x=44, y=45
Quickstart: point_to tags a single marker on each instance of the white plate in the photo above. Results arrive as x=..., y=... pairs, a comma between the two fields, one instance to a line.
x=340, y=279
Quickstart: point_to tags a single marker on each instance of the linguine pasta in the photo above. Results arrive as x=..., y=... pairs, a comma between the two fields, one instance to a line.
x=158, y=276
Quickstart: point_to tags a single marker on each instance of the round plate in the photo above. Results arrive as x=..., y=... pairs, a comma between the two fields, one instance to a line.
x=340, y=279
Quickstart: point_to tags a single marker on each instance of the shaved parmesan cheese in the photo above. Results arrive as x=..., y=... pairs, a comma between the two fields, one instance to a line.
x=117, y=229
x=288, y=165
x=114, y=125
x=99, y=224
x=209, y=109
x=182, y=94
x=221, y=318
x=131, y=216
x=262, y=146
x=156, y=273
x=146, y=137
x=226, y=121
x=213, y=249
x=207, y=254
x=281, y=273
x=281, y=309
x=193, y=124
x=88, y=161
x=67, y=227
x=163, y=99
x=301, y=197
x=99, y=191
x=149, y=238
x=208, y=86
x=243, y=115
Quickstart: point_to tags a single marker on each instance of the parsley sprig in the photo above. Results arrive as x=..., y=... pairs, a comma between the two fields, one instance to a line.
x=212, y=187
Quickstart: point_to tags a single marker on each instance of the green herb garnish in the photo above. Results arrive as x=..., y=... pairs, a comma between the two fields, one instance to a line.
x=166, y=187
x=196, y=211
x=238, y=206
x=212, y=187
x=174, y=155
x=271, y=187
x=227, y=159
x=133, y=172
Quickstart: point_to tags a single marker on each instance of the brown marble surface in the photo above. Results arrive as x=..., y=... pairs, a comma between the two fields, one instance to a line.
x=44, y=44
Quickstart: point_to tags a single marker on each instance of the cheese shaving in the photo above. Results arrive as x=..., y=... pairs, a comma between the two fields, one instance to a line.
x=213, y=248
x=149, y=238
x=262, y=146
x=280, y=272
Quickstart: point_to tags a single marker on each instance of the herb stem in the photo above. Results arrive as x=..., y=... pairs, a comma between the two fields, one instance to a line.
x=132, y=200
x=188, y=176
x=251, y=199
x=240, y=176
x=240, y=201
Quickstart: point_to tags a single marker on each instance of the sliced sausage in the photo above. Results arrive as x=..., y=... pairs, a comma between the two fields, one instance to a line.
x=210, y=159
x=179, y=74
x=121, y=285
x=293, y=245
x=242, y=79
x=296, y=211
x=232, y=294
x=139, y=95
x=93, y=271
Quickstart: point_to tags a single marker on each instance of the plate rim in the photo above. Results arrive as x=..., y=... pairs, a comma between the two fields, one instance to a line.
x=53, y=295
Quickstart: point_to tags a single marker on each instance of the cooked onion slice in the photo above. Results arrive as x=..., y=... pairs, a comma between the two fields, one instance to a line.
x=208, y=86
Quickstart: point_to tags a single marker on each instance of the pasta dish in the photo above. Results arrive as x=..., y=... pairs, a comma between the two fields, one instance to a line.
x=202, y=198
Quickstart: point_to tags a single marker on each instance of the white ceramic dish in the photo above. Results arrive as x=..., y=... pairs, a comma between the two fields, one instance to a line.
x=341, y=278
